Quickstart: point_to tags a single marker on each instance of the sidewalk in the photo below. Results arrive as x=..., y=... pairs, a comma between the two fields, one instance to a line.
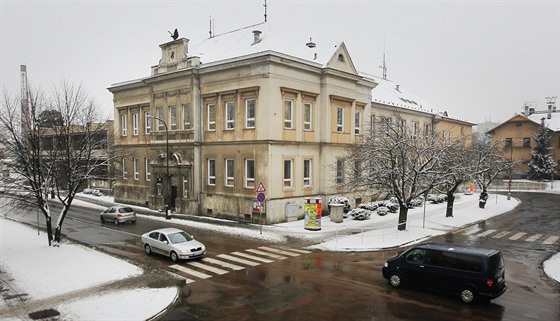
x=71, y=280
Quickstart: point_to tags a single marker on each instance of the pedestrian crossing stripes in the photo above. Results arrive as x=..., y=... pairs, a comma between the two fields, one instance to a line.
x=477, y=232
x=235, y=261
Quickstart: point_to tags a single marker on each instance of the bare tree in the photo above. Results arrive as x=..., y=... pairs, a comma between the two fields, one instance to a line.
x=489, y=161
x=56, y=160
x=395, y=158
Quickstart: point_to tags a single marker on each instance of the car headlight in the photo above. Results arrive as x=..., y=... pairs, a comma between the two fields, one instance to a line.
x=386, y=264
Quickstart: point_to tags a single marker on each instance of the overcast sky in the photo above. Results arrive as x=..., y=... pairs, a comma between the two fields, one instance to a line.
x=479, y=60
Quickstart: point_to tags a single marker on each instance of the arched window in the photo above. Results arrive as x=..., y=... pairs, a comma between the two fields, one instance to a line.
x=341, y=57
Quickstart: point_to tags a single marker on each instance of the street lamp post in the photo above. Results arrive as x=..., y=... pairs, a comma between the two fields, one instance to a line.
x=510, y=169
x=168, y=194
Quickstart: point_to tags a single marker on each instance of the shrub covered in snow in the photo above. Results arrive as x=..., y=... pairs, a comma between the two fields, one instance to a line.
x=360, y=214
x=92, y=192
x=382, y=211
x=340, y=200
x=371, y=206
x=437, y=198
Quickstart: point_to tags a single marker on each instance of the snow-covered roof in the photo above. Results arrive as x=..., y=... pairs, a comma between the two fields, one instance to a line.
x=245, y=42
x=553, y=123
x=392, y=94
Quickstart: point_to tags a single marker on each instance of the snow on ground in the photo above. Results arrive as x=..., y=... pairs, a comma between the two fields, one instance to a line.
x=25, y=255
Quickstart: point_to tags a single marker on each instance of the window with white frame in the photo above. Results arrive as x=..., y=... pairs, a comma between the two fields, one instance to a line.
x=357, y=170
x=135, y=169
x=212, y=172
x=288, y=113
x=307, y=116
x=249, y=173
x=307, y=170
x=339, y=171
x=123, y=125
x=172, y=118
x=426, y=130
x=413, y=129
x=288, y=173
x=159, y=114
x=358, y=123
x=230, y=115
x=135, y=124
x=147, y=123
x=147, y=168
x=186, y=116
x=250, y=113
x=229, y=172
x=340, y=119
x=185, y=186
x=211, y=109
x=124, y=169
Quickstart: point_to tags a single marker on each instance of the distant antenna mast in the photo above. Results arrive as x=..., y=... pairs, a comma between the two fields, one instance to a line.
x=265, y=10
x=25, y=120
x=210, y=31
x=384, y=66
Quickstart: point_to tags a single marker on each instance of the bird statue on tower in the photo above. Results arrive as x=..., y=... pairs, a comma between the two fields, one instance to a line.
x=175, y=34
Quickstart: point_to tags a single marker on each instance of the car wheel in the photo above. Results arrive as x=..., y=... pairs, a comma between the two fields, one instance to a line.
x=102, y=219
x=174, y=256
x=148, y=249
x=134, y=222
x=116, y=221
x=467, y=295
x=395, y=280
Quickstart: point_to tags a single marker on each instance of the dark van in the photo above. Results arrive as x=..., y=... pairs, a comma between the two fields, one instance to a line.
x=471, y=273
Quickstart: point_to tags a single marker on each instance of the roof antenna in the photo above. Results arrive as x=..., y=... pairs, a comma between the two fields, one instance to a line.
x=210, y=26
x=384, y=66
x=265, y=10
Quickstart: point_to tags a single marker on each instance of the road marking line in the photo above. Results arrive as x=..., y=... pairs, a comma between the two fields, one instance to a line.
x=501, y=234
x=472, y=231
x=181, y=277
x=534, y=238
x=252, y=257
x=274, y=256
x=301, y=251
x=190, y=271
x=238, y=260
x=279, y=251
x=486, y=233
x=551, y=240
x=208, y=268
x=223, y=264
x=517, y=236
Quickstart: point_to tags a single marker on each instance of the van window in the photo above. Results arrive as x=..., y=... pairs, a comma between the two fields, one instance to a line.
x=496, y=262
x=416, y=256
x=463, y=262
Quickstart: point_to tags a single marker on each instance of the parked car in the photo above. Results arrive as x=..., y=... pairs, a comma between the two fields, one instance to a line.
x=173, y=243
x=118, y=214
x=471, y=273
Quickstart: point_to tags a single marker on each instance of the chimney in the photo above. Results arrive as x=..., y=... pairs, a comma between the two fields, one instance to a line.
x=257, y=36
x=397, y=88
x=526, y=109
x=310, y=44
x=549, y=111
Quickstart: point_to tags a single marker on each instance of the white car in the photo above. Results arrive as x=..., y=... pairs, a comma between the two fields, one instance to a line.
x=173, y=243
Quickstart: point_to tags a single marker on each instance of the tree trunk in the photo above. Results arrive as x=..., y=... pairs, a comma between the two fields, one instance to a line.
x=403, y=214
x=450, y=201
x=49, y=230
x=57, y=232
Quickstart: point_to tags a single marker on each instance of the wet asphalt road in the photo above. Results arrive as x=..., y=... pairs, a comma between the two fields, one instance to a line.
x=349, y=286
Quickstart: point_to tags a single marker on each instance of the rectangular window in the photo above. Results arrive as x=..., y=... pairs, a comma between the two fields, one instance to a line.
x=288, y=173
x=135, y=168
x=211, y=109
x=230, y=115
x=186, y=116
x=250, y=113
x=357, y=170
x=135, y=124
x=307, y=116
x=340, y=119
x=413, y=130
x=159, y=114
x=527, y=142
x=426, y=130
x=339, y=171
x=147, y=123
x=124, y=169
x=185, y=187
x=509, y=142
x=172, y=118
x=249, y=173
x=212, y=172
x=123, y=125
x=147, y=168
x=229, y=172
x=385, y=125
x=288, y=114
x=307, y=168
x=358, y=123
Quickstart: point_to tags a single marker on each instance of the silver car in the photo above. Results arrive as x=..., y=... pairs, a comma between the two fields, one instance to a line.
x=118, y=214
x=173, y=243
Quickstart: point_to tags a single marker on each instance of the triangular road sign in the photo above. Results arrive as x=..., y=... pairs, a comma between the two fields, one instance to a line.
x=261, y=188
